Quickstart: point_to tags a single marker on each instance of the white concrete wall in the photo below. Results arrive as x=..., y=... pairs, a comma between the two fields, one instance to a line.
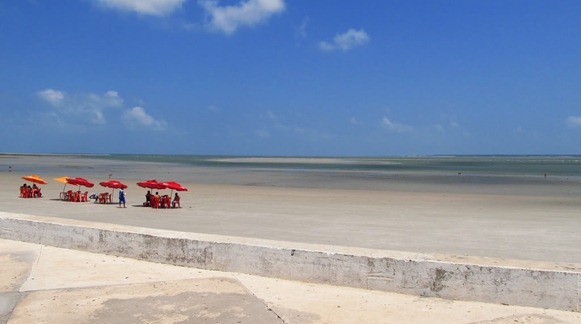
x=406, y=273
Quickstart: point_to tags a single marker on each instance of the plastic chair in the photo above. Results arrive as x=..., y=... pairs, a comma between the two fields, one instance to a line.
x=154, y=202
x=83, y=197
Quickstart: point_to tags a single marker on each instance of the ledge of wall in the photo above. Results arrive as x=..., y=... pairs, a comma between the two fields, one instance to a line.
x=405, y=273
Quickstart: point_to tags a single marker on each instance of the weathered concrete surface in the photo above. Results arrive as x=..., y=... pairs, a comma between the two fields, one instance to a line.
x=415, y=274
x=219, y=300
x=70, y=286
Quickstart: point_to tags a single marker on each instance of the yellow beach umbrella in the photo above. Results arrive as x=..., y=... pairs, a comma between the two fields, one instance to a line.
x=62, y=180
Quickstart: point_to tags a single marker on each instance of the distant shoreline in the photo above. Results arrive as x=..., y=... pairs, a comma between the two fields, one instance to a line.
x=8, y=154
x=552, y=166
x=331, y=157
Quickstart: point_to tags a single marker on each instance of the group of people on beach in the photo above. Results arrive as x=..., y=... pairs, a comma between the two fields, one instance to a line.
x=154, y=201
x=157, y=201
x=151, y=200
x=26, y=191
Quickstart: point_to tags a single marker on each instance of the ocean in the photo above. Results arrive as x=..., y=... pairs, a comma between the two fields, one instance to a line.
x=563, y=166
x=560, y=166
x=527, y=175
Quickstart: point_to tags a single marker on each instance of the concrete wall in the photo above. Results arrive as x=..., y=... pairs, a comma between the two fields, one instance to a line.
x=405, y=273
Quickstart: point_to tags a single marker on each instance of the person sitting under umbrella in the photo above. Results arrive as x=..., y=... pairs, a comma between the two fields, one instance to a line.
x=147, y=202
x=24, y=193
x=36, y=191
x=176, y=201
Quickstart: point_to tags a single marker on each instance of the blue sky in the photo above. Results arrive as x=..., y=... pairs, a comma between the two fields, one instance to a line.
x=280, y=77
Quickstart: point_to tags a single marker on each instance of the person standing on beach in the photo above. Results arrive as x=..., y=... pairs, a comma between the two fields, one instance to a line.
x=121, y=197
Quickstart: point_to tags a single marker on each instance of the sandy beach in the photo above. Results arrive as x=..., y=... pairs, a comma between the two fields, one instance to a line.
x=517, y=221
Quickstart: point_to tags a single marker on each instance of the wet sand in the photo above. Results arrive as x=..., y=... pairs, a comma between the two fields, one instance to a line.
x=520, y=220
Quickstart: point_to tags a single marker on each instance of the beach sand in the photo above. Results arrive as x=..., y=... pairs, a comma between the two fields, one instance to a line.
x=521, y=221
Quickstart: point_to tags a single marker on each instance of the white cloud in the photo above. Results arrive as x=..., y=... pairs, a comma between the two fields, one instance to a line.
x=346, y=41
x=395, y=127
x=228, y=19
x=81, y=108
x=51, y=96
x=573, y=121
x=145, y=7
x=138, y=117
x=78, y=110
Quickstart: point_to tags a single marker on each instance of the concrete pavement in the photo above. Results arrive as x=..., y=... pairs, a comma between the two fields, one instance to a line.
x=44, y=284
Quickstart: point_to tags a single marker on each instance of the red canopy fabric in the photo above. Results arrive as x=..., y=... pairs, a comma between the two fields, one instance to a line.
x=80, y=182
x=152, y=184
x=175, y=186
x=115, y=184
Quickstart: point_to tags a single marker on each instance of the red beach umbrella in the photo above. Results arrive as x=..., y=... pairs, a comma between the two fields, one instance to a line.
x=174, y=186
x=114, y=184
x=151, y=184
x=80, y=182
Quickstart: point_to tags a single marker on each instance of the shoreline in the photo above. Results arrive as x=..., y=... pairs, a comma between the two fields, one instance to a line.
x=270, y=175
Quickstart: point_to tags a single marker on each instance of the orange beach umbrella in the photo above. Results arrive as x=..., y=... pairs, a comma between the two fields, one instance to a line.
x=34, y=178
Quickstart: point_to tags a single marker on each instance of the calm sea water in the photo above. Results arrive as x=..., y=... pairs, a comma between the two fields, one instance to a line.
x=567, y=166
x=523, y=175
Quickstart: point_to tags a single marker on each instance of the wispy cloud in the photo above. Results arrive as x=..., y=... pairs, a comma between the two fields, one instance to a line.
x=138, y=117
x=573, y=121
x=274, y=124
x=227, y=19
x=345, y=41
x=144, y=7
x=213, y=109
x=301, y=31
x=74, y=110
x=395, y=127
x=355, y=121
x=83, y=108
x=262, y=133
